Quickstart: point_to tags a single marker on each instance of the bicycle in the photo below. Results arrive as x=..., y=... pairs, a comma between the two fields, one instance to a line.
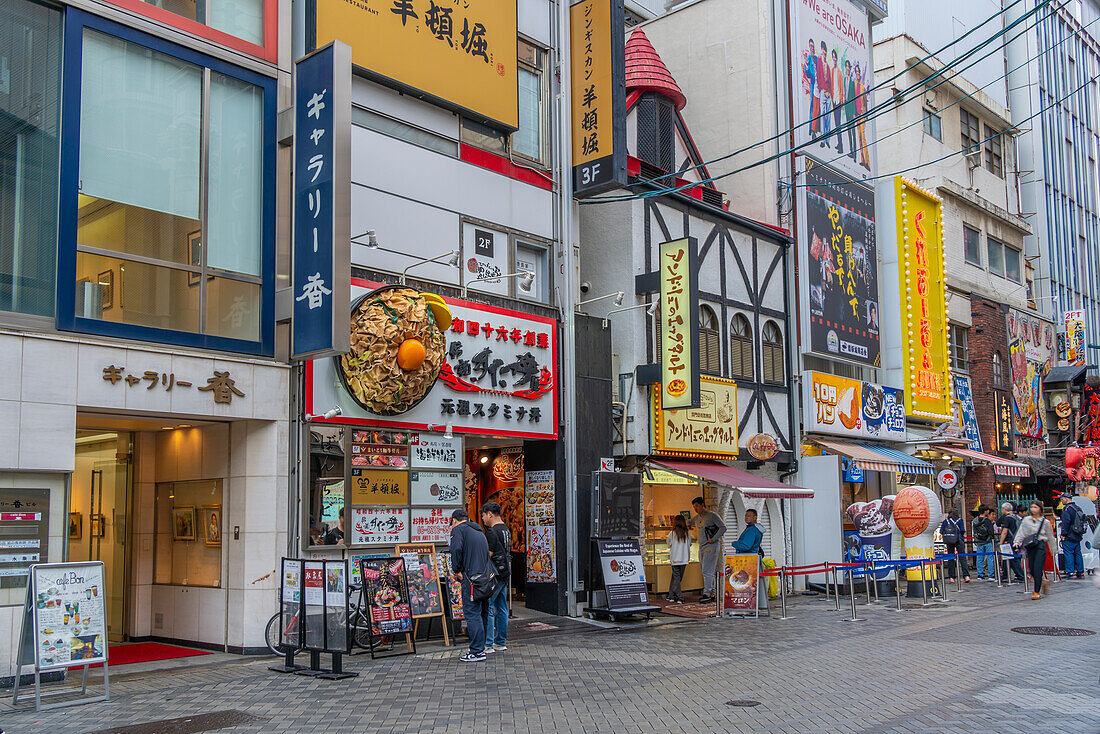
x=358, y=625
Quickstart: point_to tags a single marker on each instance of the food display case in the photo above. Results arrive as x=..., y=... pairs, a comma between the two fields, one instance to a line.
x=668, y=496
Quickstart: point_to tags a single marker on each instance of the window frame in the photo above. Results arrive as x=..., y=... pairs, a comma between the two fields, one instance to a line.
x=960, y=348
x=969, y=122
x=994, y=152
x=767, y=350
x=708, y=337
x=1019, y=255
x=998, y=370
x=977, y=242
x=990, y=243
x=927, y=119
x=76, y=21
x=542, y=72
x=738, y=342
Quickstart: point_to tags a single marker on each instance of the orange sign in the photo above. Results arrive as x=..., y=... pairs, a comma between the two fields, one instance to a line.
x=923, y=301
x=763, y=446
x=739, y=587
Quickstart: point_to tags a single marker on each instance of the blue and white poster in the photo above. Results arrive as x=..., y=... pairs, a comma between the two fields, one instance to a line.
x=969, y=415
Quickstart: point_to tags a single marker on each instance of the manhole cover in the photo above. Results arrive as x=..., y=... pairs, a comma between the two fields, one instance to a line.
x=1053, y=631
x=743, y=703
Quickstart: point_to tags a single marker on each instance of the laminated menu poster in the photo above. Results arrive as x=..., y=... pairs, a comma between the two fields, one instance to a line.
x=539, y=512
x=425, y=593
x=385, y=592
x=69, y=618
x=291, y=594
x=623, y=574
x=742, y=574
x=454, y=586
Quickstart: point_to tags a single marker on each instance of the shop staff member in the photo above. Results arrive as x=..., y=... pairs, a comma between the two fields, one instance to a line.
x=711, y=530
x=470, y=555
x=749, y=541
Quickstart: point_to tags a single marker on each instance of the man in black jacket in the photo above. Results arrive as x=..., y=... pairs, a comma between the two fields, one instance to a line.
x=500, y=549
x=470, y=556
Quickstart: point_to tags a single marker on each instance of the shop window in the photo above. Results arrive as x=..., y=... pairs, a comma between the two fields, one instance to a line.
x=188, y=531
x=741, y=351
x=324, y=523
x=773, y=357
x=960, y=348
x=972, y=245
x=710, y=342
x=932, y=124
x=30, y=112
x=229, y=22
x=971, y=132
x=998, y=371
x=173, y=215
x=994, y=162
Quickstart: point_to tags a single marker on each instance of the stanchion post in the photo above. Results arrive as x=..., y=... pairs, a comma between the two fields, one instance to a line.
x=959, y=573
x=852, y=594
x=867, y=583
x=836, y=589
x=923, y=583
x=826, y=576
x=943, y=583
x=783, y=592
x=997, y=567
x=897, y=585
x=874, y=580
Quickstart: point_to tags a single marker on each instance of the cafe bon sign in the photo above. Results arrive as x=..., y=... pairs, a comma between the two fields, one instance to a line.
x=846, y=407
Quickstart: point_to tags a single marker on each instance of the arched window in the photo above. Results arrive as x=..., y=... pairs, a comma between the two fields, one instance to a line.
x=741, y=354
x=774, y=361
x=998, y=371
x=710, y=342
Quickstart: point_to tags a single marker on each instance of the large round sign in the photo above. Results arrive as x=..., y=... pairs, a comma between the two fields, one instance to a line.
x=916, y=509
x=763, y=446
x=947, y=479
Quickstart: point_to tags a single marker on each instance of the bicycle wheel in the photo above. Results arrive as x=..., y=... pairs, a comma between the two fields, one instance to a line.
x=360, y=629
x=274, y=639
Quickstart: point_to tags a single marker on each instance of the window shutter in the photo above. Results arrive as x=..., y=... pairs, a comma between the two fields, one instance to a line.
x=667, y=132
x=647, y=129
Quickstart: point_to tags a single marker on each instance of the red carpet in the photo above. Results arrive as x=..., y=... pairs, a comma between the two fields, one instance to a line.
x=689, y=609
x=144, y=652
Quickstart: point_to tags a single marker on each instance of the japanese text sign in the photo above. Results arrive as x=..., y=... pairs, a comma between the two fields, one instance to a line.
x=372, y=525
x=1075, y=337
x=322, y=200
x=379, y=487
x=1029, y=361
x=436, y=487
x=598, y=58
x=459, y=53
x=740, y=578
x=969, y=414
x=431, y=525
x=1003, y=406
x=499, y=377
x=678, y=323
x=922, y=279
x=708, y=431
x=846, y=407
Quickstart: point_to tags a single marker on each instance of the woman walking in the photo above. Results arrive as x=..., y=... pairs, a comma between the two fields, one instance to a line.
x=1035, y=536
x=679, y=555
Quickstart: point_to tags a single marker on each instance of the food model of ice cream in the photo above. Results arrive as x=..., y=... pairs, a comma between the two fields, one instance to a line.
x=917, y=514
x=398, y=346
x=875, y=528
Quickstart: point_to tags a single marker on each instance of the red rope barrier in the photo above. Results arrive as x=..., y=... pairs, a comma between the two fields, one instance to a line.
x=799, y=568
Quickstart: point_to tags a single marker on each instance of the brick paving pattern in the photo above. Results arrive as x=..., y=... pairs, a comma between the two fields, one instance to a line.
x=957, y=668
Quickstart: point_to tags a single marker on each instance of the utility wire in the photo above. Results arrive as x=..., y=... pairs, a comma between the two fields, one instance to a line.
x=872, y=112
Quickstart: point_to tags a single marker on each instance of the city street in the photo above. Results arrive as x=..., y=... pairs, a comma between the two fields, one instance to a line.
x=952, y=668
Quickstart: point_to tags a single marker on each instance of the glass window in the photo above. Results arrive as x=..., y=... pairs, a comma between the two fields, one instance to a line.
x=993, y=161
x=774, y=361
x=1012, y=263
x=960, y=348
x=155, y=246
x=188, y=530
x=998, y=370
x=533, y=259
x=741, y=352
x=527, y=141
x=326, y=485
x=30, y=94
x=995, y=251
x=971, y=131
x=710, y=343
x=241, y=18
x=932, y=124
x=972, y=245
x=484, y=137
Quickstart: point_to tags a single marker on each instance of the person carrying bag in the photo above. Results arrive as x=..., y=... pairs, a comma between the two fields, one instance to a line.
x=1035, y=536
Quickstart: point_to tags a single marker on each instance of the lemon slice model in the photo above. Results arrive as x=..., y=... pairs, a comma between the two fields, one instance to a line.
x=439, y=309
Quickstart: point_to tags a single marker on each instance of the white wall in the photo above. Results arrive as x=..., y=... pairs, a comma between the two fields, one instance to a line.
x=816, y=522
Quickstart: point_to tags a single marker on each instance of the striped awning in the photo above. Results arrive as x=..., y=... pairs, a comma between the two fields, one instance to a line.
x=748, y=484
x=1004, y=467
x=877, y=458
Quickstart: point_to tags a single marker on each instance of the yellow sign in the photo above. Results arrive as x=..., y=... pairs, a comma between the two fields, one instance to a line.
x=379, y=487
x=660, y=476
x=709, y=431
x=678, y=323
x=598, y=57
x=923, y=301
x=460, y=53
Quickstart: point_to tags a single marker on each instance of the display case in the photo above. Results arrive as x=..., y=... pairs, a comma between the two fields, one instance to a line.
x=658, y=571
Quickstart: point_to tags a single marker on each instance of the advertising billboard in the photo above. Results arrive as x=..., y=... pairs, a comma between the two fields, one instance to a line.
x=709, y=431
x=678, y=323
x=831, y=66
x=1030, y=346
x=1075, y=337
x=845, y=407
x=841, y=266
x=923, y=294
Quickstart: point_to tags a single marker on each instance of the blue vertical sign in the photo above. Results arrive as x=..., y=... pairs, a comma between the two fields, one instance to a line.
x=969, y=415
x=322, y=191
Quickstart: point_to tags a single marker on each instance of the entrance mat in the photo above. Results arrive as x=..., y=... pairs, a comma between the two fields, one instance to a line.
x=689, y=609
x=144, y=652
x=187, y=724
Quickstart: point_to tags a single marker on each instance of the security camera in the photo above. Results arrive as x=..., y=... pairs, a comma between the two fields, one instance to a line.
x=585, y=286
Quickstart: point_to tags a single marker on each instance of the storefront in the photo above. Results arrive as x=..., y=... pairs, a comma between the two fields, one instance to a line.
x=478, y=423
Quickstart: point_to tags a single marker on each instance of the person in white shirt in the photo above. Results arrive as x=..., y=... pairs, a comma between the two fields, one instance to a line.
x=679, y=555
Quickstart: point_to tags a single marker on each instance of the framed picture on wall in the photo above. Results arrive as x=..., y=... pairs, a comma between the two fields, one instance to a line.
x=183, y=523
x=99, y=526
x=106, y=282
x=76, y=525
x=194, y=256
x=212, y=525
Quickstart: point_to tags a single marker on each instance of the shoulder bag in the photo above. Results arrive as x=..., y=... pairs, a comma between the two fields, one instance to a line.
x=1035, y=539
x=482, y=585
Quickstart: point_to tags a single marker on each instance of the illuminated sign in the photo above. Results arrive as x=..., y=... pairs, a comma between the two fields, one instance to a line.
x=1075, y=338
x=598, y=56
x=923, y=301
x=678, y=323
x=708, y=431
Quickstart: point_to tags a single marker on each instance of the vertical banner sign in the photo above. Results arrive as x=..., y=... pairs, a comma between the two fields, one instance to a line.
x=290, y=596
x=678, y=323
x=1075, y=337
x=597, y=48
x=969, y=414
x=322, y=202
x=923, y=301
x=1003, y=407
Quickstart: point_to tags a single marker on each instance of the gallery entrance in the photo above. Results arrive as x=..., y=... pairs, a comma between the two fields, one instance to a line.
x=99, y=516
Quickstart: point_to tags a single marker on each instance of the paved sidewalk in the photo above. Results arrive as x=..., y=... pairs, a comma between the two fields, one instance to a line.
x=957, y=668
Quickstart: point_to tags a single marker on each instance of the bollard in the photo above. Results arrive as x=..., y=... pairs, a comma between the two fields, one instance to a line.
x=923, y=584
x=997, y=568
x=783, y=592
x=836, y=589
x=852, y=594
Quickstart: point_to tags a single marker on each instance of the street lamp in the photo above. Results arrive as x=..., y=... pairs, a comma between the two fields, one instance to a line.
x=453, y=258
x=650, y=309
x=526, y=280
x=617, y=296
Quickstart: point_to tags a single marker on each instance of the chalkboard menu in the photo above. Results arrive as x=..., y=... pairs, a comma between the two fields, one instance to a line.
x=385, y=592
x=67, y=614
x=24, y=533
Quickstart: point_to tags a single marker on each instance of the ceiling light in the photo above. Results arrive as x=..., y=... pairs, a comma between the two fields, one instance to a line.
x=484, y=458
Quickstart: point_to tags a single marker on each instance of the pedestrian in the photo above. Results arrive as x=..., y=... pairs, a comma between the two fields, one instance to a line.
x=711, y=530
x=983, y=543
x=1035, y=537
x=500, y=549
x=679, y=556
x=953, y=532
x=1009, y=524
x=749, y=540
x=1073, y=530
x=825, y=84
x=471, y=563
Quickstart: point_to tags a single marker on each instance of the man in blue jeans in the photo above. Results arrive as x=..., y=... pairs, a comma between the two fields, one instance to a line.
x=1072, y=533
x=983, y=542
x=470, y=557
x=500, y=549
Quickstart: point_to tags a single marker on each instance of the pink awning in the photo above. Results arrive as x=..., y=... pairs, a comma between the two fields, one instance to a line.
x=750, y=485
x=1004, y=467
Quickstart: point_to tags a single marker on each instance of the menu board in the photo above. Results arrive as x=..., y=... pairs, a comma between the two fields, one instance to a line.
x=433, y=451
x=385, y=592
x=742, y=574
x=454, y=586
x=290, y=609
x=425, y=592
x=69, y=617
x=380, y=449
x=539, y=511
x=431, y=525
x=336, y=605
x=313, y=597
x=436, y=488
x=379, y=525
x=379, y=487
x=623, y=574
x=24, y=532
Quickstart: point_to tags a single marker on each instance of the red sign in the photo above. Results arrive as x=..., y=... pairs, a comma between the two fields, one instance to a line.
x=763, y=446
x=17, y=516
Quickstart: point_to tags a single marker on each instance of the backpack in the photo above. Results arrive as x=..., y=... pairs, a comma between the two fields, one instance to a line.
x=950, y=533
x=1077, y=526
